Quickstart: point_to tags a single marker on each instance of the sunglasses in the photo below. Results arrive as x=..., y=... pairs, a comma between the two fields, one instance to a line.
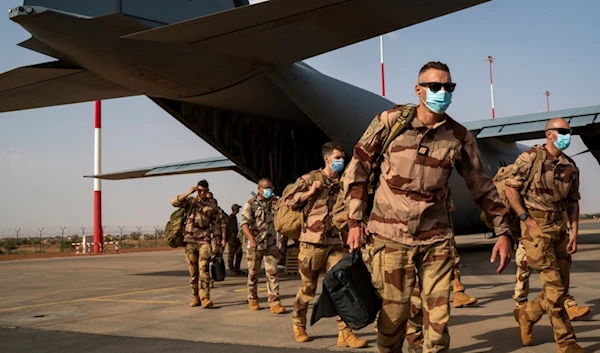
x=561, y=130
x=202, y=190
x=436, y=86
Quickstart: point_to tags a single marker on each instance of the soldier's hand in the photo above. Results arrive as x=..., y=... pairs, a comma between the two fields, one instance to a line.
x=356, y=237
x=531, y=224
x=192, y=190
x=503, y=249
x=253, y=244
x=572, y=246
x=315, y=186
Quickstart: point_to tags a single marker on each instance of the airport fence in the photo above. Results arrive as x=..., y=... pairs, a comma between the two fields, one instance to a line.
x=31, y=240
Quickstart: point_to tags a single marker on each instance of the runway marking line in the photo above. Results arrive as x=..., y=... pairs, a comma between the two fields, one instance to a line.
x=103, y=298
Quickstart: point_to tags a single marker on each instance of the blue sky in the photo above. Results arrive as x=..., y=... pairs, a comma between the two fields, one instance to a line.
x=539, y=45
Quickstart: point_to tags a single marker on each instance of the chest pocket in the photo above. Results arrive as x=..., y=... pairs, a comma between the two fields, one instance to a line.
x=436, y=163
x=563, y=179
x=204, y=216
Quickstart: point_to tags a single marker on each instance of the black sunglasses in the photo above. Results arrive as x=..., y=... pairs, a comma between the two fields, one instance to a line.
x=562, y=130
x=436, y=86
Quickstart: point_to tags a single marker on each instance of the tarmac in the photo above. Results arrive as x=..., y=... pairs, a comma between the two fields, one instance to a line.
x=138, y=302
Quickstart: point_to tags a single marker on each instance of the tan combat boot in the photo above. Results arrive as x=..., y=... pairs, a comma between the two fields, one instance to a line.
x=207, y=303
x=300, y=334
x=572, y=348
x=253, y=304
x=577, y=312
x=525, y=326
x=195, y=301
x=461, y=300
x=277, y=309
x=348, y=339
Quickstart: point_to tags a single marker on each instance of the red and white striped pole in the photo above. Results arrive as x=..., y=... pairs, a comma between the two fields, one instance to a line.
x=98, y=236
x=382, y=68
x=491, y=59
x=547, y=93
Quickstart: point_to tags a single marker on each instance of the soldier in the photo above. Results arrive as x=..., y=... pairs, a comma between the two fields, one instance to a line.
x=202, y=223
x=547, y=245
x=410, y=216
x=257, y=224
x=522, y=284
x=217, y=242
x=234, y=255
x=321, y=244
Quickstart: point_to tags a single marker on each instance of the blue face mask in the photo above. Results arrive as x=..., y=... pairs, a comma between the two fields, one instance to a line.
x=562, y=141
x=438, y=101
x=337, y=165
x=268, y=193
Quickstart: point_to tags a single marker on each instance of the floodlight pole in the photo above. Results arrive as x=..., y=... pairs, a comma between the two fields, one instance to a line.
x=547, y=94
x=491, y=59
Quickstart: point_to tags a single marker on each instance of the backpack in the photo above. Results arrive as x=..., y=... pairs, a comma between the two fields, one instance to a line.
x=175, y=227
x=499, y=183
x=339, y=213
x=290, y=222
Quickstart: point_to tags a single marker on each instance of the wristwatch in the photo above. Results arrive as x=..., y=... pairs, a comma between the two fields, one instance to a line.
x=524, y=216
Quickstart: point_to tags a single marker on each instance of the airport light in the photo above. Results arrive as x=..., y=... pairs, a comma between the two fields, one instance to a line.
x=382, y=67
x=547, y=94
x=491, y=59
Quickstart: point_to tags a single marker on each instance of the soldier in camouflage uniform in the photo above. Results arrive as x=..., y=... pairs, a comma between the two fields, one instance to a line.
x=547, y=245
x=257, y=224
x=410, y=221
x=574, y=311
x=234, y=255
x=321, y=244
x=217, y=242
x=202, y=225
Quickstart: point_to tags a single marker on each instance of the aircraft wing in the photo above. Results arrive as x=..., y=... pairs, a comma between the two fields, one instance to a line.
x=196, y=166
x=287, y=31
x=584, y=121
x=53, y=83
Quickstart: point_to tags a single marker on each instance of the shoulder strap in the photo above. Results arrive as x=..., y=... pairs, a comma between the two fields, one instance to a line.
x=536, y=168
x=405, y=118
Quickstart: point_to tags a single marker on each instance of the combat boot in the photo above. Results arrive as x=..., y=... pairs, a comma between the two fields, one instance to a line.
x=207, y=303
x=525, y=326
x=577, y=312
x=253, y=304
x=348, y=339
x=462, y=300
x=572, y=348
x=195, y=301
x=300, y=334
x=277, y=309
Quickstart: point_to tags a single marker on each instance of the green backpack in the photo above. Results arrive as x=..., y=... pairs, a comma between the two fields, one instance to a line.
x=339, y=212
x=175, y=228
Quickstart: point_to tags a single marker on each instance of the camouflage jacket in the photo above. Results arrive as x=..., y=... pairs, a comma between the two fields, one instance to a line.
x=318, y=228
x=556, y=186
x=203, y=221
x=411, y=205
x=259, y=215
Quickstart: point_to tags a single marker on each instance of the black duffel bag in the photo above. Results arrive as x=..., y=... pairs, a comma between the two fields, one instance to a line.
x=218, y=270
x=349, y=293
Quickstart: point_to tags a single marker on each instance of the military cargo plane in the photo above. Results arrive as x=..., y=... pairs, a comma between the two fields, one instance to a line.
x=232, y=72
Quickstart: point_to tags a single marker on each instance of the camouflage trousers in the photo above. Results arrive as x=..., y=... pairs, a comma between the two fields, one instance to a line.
x=396, y=268
x=546, y=252
x=414, y=328
x=234, y=254
x=197, y=257
x=313, y=258
x=271, y=259
x=522, y=280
